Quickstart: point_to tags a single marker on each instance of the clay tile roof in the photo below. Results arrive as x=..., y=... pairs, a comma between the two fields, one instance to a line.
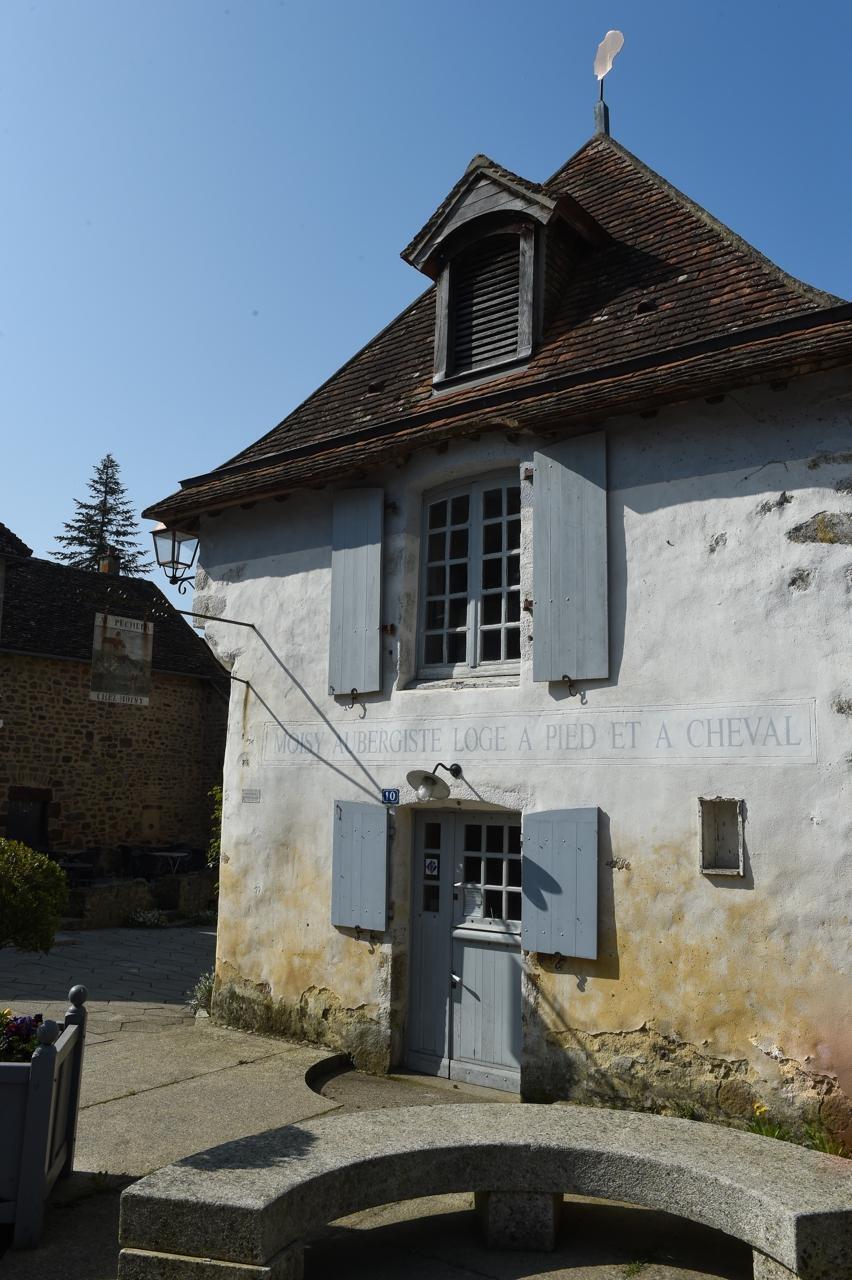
x=49, y=610
x=672, y=305
x=11, y=544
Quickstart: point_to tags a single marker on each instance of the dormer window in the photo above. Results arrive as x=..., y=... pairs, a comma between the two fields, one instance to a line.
x=484, y=300
x=498, y=249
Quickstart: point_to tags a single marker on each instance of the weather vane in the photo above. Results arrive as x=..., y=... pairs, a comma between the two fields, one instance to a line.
x=612, y=44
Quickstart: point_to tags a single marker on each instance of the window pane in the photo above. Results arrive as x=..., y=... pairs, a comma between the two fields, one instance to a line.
x=458, y=611
x=490, y=646
x=492, y=608
x=513, y=642
x=494, y=871
x=458, y=578
x=513, y=906
x=434, y=649
x=432, y=835
x=513, y=871
x=431, y=897
x=513, y=500
x=458, y=544
x=472, y=870
x=456, y=646
x=473, y=838
x=436, y=579
x=492, y=503
x=492, y=538
x=493, y=904
x=494, y=839
x=515, y=841
x=435, y=611
x=492, y=574
x=437, y=542
x=513, y=571
x=437, y=515
x=513, y=606
x=513, y=534
x=459, y=509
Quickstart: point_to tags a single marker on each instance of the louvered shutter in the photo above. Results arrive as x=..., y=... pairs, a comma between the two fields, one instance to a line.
x=485, y=289
x=355, y=652
x=359, y=866
x=570, y=619
x=560, y=882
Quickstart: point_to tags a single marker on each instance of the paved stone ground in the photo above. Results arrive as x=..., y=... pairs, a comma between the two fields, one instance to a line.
x=184, y=1085
x=137, y=978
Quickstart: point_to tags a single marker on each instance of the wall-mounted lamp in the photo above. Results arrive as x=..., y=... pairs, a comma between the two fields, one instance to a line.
x=430, y=787
x=175, y=552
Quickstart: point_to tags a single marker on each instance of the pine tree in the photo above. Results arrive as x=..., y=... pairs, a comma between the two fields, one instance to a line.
x=106, y=520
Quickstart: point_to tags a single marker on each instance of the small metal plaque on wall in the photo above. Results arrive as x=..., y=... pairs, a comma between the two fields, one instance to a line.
x=251, y=795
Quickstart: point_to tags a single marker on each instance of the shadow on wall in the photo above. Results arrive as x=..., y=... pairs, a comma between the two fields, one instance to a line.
x=696, y=461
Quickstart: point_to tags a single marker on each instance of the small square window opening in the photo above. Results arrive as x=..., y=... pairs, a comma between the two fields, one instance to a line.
x=721, y=836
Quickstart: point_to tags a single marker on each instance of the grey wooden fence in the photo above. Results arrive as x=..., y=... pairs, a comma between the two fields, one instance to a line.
x=38, y=1104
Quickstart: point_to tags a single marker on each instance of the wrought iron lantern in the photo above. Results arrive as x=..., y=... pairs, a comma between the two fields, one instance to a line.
x=175, y=552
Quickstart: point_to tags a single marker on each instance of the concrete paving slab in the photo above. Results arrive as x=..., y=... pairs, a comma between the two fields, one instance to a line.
x=170, y=1055
x=152, y=1126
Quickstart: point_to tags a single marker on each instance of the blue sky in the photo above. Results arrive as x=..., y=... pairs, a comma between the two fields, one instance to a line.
x=205, y=200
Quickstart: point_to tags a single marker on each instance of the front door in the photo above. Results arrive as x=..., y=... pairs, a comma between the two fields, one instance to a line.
x=465, y=990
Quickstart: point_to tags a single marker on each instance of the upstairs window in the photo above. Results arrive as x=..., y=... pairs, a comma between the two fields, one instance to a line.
x=484, y=298
x=485, y=302
x=471, y=578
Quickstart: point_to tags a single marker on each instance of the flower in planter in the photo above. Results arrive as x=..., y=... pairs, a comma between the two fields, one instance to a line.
x=18, y=1036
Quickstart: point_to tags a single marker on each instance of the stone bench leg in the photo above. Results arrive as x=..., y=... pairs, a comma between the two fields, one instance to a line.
x=147, y=1264
x=764, y=1268
x=519, y=1220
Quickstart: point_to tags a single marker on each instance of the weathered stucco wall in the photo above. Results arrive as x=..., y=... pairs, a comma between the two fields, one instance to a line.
x=708, y=993
x=115, y=774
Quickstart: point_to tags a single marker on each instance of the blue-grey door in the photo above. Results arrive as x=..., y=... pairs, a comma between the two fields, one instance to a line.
x=465, y=989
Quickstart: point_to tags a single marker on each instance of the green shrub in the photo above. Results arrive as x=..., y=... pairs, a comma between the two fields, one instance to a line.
x=33, y=893
x=214, y=848
x=200, y=997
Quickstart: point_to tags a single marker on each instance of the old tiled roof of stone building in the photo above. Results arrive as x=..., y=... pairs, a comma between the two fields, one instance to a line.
x=724, y=316
x=49, y=610
x=11, y=544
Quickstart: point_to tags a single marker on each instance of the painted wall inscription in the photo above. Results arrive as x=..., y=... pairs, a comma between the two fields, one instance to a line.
x=762, y=733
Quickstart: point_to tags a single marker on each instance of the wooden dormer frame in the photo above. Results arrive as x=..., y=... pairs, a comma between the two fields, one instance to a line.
x=487, y=200
x=529, y=296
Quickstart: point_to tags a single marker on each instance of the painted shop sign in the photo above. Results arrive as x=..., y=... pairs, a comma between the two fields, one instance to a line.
x=121, y=660
x=760, y=733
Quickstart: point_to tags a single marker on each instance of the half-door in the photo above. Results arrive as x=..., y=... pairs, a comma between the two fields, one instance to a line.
x=464, y=1011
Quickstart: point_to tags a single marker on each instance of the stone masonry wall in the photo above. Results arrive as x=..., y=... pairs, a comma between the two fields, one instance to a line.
x=116, y=774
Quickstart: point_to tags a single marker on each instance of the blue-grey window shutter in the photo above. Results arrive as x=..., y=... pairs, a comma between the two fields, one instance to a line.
x=355, y=642
x=570, y=631
x=359, y=866
x=560, y=882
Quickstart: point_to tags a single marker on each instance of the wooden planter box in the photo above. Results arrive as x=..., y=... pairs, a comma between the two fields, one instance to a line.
x=38, y=1103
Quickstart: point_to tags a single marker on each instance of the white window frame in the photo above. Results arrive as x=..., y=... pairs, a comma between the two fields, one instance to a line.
x=472, y=666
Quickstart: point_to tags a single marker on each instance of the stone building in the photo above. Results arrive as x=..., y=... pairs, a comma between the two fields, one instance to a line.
x=579, y=522
x=80, y=774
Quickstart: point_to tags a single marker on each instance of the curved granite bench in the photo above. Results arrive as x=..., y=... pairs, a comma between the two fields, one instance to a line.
x=243, y=1210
